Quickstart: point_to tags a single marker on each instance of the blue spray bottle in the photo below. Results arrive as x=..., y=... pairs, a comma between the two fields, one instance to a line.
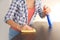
x=49, y=21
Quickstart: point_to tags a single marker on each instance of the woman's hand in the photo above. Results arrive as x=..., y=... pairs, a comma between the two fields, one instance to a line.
x=46, y=10
x=26, y=27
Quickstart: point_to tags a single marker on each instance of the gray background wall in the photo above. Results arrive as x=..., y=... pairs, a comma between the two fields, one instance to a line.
x=4, y=5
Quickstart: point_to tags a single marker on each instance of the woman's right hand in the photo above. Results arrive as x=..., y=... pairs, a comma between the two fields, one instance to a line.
x=27, y=27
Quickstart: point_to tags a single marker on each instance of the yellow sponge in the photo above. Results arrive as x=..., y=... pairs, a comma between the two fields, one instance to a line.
x=28, y=30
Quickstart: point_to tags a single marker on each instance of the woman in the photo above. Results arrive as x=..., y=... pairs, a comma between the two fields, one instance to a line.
x=22, y=13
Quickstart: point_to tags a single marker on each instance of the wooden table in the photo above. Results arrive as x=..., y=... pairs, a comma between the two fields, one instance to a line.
x=43, y=33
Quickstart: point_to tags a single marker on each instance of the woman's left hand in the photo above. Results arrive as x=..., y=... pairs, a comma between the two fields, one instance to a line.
x=46, y=10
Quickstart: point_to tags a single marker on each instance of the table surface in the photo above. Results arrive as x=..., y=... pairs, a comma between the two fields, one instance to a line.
x=43, y=33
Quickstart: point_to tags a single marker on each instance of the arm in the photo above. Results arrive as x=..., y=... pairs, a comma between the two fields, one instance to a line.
x=39, y=9
x=43, y=12
x=9, y=16
x=14, y=25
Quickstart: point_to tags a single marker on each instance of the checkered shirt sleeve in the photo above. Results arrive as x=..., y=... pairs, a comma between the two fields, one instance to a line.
x=11, y=11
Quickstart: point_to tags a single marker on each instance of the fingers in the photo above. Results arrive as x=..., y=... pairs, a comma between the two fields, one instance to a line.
x=46, y=10
x=26, y=27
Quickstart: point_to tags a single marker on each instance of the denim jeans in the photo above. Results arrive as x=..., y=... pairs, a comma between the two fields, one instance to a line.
x=12, y=33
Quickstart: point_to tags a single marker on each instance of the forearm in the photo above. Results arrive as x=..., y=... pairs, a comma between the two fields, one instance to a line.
x=14, y=25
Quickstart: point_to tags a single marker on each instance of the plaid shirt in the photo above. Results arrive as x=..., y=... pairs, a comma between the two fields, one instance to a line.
x=18, y=11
